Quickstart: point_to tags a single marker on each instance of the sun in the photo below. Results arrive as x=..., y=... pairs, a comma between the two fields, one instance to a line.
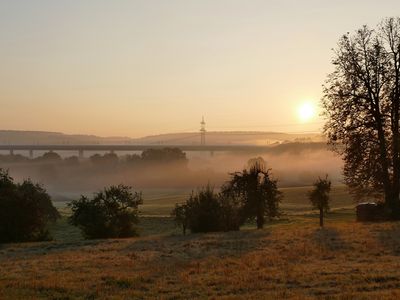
x=306, y=111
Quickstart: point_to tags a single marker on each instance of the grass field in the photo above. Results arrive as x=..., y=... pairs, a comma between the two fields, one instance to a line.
x=289, y=259
x=158, y=205
x=292, y=259
x=295, y=201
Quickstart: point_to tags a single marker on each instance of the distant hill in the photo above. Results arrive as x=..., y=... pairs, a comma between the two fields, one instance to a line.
x=187, y=138
x=44, y=137
x=230, y=137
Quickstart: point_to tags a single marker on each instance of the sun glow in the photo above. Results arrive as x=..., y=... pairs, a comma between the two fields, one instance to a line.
x=306, y=112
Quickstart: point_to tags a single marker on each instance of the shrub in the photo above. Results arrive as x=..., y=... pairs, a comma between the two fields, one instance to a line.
x=207, y=211
x=111, y=213
x=25, y=211
x=204, y=211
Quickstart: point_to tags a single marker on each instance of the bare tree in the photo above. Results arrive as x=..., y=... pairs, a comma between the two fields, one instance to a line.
x=362, y=105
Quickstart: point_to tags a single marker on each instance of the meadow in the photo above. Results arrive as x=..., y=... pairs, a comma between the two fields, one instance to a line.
x=291, y=258
x=158, y=204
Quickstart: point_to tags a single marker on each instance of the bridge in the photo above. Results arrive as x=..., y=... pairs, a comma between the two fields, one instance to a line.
x=80, y=149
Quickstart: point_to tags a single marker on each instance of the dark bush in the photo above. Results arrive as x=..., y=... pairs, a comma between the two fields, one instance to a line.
x=25, y=211
x=371, y=212
x=111, y=213
x=207, y=211
x=204, y=211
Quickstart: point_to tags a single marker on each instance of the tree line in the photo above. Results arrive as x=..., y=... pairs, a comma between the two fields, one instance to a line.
x=148, y=156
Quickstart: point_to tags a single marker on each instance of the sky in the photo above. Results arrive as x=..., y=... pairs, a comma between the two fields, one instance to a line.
x=135, y=68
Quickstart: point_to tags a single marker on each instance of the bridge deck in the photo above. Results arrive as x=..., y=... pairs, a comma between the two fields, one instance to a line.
x=104, y=147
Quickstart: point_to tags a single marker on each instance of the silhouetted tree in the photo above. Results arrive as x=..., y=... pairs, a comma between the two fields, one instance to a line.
x=107, y=159
x=133, y=158
x=96, y=158
x=257, y=192
x=110, y=158
x=25, y=211
x=362, y=104
x=15, y=158
x=256, y=161
x=111, y=213
x=319, y=197
x=49, y=157
x=165, y=155
x=181, y=216
x=72, y=161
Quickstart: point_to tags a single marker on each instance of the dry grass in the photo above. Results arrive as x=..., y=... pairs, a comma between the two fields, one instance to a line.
x=292, y=260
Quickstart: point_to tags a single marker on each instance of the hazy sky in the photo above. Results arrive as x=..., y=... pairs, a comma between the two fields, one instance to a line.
x=145, y=67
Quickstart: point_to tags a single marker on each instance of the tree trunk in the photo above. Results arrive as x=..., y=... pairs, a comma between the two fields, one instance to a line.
x=321, y=217
x=260, y=221
x=384, y=160
x=395, y=204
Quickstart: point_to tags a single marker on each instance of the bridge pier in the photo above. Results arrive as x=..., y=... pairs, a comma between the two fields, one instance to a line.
x=80, y=153
x=11, y=152
x=30, y=153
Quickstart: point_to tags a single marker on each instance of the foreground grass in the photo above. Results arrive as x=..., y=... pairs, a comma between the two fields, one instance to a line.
x=289, y=259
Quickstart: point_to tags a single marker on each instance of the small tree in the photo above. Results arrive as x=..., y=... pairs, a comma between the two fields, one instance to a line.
x=111, y=213
x=257, y=192
x=181, y=216
x=25, y=211
x=319, y=197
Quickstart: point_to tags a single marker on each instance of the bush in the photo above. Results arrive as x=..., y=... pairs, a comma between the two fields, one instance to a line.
x=25, y=211
x=111, y=213
x=206, y=211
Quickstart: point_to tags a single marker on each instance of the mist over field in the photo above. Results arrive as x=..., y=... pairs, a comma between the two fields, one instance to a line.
x=292, y=164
